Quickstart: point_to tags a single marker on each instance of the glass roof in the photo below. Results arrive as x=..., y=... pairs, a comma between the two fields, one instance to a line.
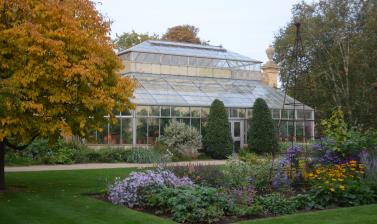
x=171, y=90
x=185, y=49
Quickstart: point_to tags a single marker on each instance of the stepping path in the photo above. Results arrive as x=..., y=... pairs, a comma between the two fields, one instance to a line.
x=91, y=166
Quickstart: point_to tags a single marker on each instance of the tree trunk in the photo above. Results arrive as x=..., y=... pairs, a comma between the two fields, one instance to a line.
x=2, y=164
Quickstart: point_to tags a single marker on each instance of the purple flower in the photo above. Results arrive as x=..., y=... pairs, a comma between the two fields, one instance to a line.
x=129, y=191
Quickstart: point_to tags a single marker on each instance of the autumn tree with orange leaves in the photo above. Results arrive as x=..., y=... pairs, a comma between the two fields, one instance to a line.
x=59, y=74
x=183, y=33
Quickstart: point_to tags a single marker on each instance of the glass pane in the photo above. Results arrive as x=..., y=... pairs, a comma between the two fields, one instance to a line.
x=126, y=131
x=195, y=111
x=163, y=123
x=284, y=130
x=180, y=111
x=299, y=131
x=204, y=112
x=154, y=111
x=309, y=114
x=126, y=112
x=233, y=112
x=165, y=111
x=276, y=113
x=142, y=111
x=300, y=114
x=309, y=129
x=287, y=114
x=241, y=112
x=153, y=130
x=175, y=112
x=185, y=111
x=249, y=113
x=291, y=130
x=114, y=136
x=237, y=129
x=102, y=137
x=141, y=131
x=195, y=123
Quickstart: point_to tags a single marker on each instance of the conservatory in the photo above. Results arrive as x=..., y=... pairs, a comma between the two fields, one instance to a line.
x=178, y=81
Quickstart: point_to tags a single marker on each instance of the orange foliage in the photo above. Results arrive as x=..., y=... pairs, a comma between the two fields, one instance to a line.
x=58, y=71
x=182, y=33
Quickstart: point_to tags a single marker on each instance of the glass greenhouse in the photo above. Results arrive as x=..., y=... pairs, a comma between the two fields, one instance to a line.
x=179, y=81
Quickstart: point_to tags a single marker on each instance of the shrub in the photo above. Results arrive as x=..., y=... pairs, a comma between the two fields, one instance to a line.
x=197, y=204
x=39, y=151
x=133, y=190
x=340, y=185
x=276, y=204
x=255, y=172
x=217, y=140
x=182, y=140
x=304, y=201
x=236, y=173
x=146, y=156
x=262, y=136
x=344, y=141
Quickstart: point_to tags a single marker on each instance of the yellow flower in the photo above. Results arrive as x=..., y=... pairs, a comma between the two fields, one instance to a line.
x=341, y=179
x=341, y=187
x=332, y=189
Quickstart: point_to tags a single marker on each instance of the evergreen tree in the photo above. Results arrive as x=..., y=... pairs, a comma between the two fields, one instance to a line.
x=218, y=141
x=262, y=136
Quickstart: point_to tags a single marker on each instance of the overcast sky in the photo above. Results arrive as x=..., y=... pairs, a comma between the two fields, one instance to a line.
x=243, y=26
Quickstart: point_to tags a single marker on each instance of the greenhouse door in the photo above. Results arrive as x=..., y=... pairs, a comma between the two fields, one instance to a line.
x=236, y=130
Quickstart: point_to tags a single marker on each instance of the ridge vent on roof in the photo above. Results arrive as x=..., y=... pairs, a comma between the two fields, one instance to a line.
x=187, y=45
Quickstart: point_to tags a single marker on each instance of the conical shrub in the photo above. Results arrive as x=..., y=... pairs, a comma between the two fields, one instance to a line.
x=218, y=141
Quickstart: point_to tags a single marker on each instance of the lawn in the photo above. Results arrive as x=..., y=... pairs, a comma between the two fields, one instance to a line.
x=59, y=197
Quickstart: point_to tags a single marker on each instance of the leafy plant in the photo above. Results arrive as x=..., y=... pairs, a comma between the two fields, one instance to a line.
x=196, y=204
x=217, y=140
x=276, y=204
x=236, y=173
x=336, y=128
x=182, y=140
x=253, y=170
x=262, y=136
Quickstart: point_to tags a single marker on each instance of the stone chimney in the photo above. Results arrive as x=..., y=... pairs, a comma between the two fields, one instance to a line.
x=270, y=69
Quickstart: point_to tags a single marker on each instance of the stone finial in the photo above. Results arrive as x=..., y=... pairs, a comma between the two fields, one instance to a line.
x=270, y=52
x=270, y=69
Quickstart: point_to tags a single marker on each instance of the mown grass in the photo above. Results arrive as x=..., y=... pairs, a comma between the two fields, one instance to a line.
x=61, y=197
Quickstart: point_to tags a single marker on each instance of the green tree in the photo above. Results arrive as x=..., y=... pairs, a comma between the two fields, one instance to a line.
x=127, y=40
x=218, y=141
x=59, y=74
x=183, y=33
x=262, y=134
x=338, y=61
